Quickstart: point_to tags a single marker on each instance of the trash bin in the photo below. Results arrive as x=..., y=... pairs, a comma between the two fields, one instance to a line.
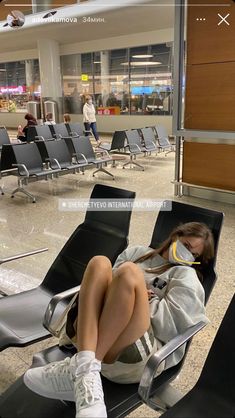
x=34, y=108
x=51, y=107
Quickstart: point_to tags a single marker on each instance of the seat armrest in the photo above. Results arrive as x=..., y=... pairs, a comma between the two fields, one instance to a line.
x=78, y=154
x=74, y=134
x=53, y=160
x=162, y=354
x=57, y=136
x=39, y=138
x=103, y=152
x=134, y=147
x=50, y=310
x=21, y=255
x=24, y=169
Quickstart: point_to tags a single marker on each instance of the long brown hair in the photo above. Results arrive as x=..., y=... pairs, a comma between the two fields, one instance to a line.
x=195, y=229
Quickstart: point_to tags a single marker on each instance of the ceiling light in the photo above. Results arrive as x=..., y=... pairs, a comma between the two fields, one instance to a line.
x=141, y=63
x=143, y=56
x=3, y=69
x=97, y=62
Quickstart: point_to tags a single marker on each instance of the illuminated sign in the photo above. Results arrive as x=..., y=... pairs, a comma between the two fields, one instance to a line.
x=13, y=89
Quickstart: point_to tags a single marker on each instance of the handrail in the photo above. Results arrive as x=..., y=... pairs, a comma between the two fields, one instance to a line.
x=21, y=255
x=215, y=189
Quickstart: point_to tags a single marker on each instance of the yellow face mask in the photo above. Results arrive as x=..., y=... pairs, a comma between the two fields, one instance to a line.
x=179, y=254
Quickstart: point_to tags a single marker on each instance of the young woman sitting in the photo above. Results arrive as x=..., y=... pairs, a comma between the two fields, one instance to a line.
x=125, y=314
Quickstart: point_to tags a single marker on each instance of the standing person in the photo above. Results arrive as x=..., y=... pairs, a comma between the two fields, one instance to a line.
x=49, y=119
x=22, y=132
x=67, y=118
x=89, y=118
x=159, y=295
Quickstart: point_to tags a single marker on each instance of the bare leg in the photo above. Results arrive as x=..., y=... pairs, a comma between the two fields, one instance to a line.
x=96, y=279
x=125, y=316
x=113, y=313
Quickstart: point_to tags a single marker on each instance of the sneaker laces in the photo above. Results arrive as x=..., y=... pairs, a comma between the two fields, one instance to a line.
x=88, y=389
x=59, y=374
x=58, y=368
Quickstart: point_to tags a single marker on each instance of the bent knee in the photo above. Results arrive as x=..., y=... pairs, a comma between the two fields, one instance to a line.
x=100, y=262
x=129, y=270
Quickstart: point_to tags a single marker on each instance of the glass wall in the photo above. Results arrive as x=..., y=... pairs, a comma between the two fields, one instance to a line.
x=19, y=83
x=127, y=81
x=123, y=81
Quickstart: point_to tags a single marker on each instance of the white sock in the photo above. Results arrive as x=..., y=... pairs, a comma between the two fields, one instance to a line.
x=83, y=362
x=85, y=355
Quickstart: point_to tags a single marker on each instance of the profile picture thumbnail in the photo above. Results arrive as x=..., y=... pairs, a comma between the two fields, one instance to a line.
x=15, y=19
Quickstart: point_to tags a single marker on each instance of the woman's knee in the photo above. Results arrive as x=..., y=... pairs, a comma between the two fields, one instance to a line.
x=99, y=263
x=130, y=273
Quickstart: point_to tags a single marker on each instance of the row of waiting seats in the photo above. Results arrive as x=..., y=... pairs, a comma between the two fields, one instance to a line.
x=143, y=139
x=106, y=233
x=61, y=149
x=140, y=141
x=43, y=160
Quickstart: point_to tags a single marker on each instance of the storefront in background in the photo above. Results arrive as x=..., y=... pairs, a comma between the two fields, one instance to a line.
x=19, y=84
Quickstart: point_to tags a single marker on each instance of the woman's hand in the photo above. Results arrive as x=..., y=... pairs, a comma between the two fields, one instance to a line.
x=20, y=130
x=150, y=293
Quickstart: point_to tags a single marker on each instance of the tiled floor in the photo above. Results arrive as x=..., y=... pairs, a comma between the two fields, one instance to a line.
x=26, y=226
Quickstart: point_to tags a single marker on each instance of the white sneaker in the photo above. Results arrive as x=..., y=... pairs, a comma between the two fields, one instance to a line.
x=52, y=381
x=89, y=393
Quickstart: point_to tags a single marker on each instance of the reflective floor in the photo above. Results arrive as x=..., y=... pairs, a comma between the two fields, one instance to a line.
x=25, y=226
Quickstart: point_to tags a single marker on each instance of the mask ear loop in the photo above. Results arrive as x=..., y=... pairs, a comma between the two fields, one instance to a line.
x=179, y=259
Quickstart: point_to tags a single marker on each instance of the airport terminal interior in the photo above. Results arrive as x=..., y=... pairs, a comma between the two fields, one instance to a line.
x=128, y=58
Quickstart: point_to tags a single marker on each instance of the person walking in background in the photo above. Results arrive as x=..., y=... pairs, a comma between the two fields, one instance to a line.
x=22, y=132
x=49, y=119
x=67, y=118
x=89, y=119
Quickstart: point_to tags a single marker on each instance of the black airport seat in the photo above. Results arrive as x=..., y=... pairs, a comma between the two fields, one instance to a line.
x=59, y=130
x=7, y=159
x=4, y=137
x=120, y=399
x=74, y=129
x=31, y=133
x=56, y=153
x=43, y=132
x=135, y=147
x=213, y=394
x=101, y=233
x=30, y=167
x=118, y=143
x=164, y=143
x=149, y=139
x=82, y=150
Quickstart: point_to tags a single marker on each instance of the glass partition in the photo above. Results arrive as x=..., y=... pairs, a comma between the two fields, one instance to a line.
x=122, y=81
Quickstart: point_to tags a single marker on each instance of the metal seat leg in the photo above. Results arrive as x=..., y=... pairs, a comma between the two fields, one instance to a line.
x=103, y=171
x=133, y=162
x=21, y=189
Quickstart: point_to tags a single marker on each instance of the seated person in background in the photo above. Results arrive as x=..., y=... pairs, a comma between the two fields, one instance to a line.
x=49, y=119
x=22, y=132
x=145, y=300
x=67, y=118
